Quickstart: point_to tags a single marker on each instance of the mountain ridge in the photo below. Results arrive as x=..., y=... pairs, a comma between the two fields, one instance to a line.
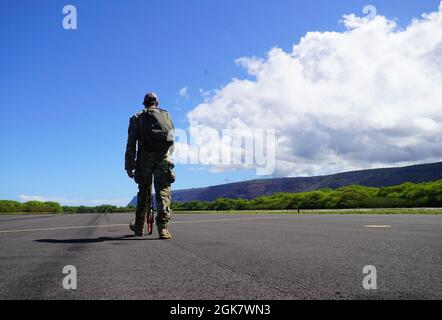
x=382, y=177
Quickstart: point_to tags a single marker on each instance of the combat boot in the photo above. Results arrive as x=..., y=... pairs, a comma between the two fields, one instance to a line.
x=139, y=232
x=164, y=233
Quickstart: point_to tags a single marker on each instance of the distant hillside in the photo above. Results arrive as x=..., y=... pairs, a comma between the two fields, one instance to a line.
x=255, y=188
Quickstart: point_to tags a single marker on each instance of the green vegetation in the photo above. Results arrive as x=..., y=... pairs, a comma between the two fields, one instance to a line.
x=30, y=206
x=99, y=209
x=423, y=211
x=407, y=195
x=7, y=206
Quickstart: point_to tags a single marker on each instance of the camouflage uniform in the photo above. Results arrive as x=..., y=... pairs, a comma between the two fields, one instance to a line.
x=147, y=165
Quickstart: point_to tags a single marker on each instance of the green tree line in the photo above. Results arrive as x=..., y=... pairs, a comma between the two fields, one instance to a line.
x=407, y=195
x=30, y=206
x=98, y=209
x=8, y=206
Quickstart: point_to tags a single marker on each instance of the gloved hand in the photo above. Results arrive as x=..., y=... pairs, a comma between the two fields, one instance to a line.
x=130, y=173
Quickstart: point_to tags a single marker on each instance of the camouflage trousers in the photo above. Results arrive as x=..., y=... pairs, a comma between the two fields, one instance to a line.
x=159, y=167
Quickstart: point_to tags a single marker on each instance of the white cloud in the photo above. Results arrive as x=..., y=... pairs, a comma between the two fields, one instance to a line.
x=366, y=97
x=77, y=202
x=184, y=92
x=205, y=93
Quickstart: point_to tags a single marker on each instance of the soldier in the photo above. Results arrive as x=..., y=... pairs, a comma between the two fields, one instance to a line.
x=151, y=130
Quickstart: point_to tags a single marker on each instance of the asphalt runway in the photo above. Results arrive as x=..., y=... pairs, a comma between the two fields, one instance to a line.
x=223, y=257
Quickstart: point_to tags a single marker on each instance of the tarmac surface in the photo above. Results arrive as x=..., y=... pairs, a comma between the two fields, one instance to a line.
x=223, y=257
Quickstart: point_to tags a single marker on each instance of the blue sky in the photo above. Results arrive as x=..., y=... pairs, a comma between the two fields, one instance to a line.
x=66, y=95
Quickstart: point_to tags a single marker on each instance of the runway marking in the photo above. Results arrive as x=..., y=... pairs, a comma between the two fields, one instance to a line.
x=127, y=225
x=378, y=226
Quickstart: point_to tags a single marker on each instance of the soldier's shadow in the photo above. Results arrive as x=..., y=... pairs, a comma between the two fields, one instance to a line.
x=95, y=240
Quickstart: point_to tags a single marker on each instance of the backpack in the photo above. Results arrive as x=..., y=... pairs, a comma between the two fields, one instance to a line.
x=156, y=130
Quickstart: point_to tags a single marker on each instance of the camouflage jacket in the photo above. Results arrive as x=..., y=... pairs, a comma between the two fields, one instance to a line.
x=136, y=152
